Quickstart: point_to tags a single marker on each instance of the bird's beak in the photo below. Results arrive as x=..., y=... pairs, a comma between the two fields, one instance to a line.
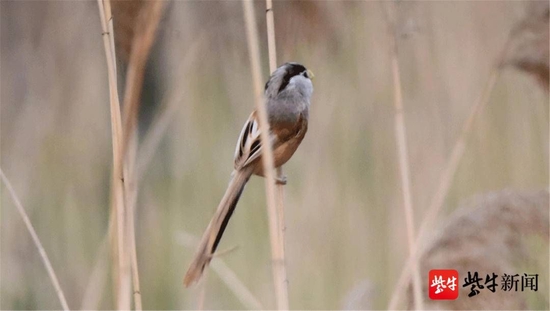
x=310, y=74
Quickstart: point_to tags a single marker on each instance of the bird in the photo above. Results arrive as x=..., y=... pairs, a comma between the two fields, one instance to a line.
x=287, y=97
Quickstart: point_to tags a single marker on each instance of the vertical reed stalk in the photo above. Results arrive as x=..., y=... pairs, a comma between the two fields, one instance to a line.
x=36, y=240
x=449, y=171
x=228, y=276
x=282, y=303
x=403, y=156
x=130, y=190
x=96, y=284
x=278, y=264
x=146, y=27
x=272, y=48
x=122, y=286
x=202, y=291
x=125, y=141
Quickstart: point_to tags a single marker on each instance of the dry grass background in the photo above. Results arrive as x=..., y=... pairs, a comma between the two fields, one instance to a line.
x=346, y=242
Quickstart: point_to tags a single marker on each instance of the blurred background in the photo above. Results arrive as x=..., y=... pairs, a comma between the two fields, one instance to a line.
x=345, y=226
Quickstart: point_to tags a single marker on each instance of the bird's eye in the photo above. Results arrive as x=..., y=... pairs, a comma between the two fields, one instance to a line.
x=305, y=74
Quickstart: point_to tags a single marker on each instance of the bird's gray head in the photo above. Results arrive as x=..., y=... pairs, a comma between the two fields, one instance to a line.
x=290, y=79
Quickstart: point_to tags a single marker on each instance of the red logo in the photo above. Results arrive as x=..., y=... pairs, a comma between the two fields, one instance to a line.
x=443, y=284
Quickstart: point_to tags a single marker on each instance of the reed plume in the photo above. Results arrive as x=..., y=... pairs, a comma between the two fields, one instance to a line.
x=489, y=234
x=530, y=43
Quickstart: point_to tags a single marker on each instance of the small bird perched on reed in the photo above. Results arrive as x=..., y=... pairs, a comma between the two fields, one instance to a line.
x=287, y=99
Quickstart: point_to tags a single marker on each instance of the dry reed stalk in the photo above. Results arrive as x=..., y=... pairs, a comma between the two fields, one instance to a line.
x=122, y=286
x=144, y=36
x=488, y=234
x=282, y=303
x=403, y=155
x=278, y=263
x=449, y=171
x=147, y=23
x=94, y=288
x=272, y=48
x=202, y=291
x=112, y=234
x=360, y=297
x=154, y=136
x=127, y=14
x=225, y=273
x=229, y=277
x=142, y=41
x=130, y=190
x=36, y=240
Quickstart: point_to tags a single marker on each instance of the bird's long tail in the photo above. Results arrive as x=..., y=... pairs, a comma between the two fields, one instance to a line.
x=214, y=231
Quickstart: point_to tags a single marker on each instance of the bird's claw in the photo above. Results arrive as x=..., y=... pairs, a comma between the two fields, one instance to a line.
x=281, y=180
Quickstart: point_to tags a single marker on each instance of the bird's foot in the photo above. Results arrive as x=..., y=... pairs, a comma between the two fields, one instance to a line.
x=281, y=180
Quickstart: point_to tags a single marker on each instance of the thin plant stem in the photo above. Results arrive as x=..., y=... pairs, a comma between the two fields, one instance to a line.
x=403, y=154
x=131, y=186
x=125, y=149
x=278, y=264
x=94, y=288
x=36, y=240
x=283, y=303
x=164, y=118
x=147, y=24
x=449, y=171
x=272, y=48
x=154, y=136
x=202, y=291
x=122, y=286
x=225, y=273
x=229, y=277
x=142, y=42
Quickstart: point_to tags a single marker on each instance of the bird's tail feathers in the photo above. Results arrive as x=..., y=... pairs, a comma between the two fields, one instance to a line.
x=213, y=233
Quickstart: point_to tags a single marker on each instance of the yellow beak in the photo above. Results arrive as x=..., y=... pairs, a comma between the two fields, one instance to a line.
x=310, y=74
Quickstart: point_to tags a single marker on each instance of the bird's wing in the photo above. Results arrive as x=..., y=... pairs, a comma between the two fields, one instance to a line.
x=249, y=145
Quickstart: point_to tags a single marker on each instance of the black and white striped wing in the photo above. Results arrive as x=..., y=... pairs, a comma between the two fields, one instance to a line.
x=249, y=145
